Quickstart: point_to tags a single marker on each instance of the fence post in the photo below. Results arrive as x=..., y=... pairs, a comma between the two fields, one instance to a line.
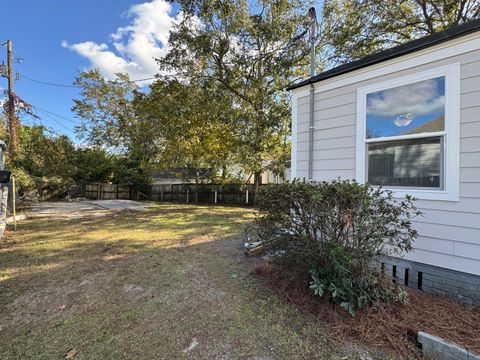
x=246, y=197
x=215, y=196
x=188, y=194
x=161, y=192
x=117, y=191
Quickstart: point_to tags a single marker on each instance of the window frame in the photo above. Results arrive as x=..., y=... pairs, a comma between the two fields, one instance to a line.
x=450, y=135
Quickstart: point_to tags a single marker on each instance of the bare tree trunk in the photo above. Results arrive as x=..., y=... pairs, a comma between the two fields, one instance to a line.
x=224, y=172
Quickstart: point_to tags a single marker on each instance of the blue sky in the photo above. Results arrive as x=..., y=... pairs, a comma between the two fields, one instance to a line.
x=57, y=38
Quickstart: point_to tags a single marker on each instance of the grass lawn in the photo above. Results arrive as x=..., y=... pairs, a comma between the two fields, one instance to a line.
x=169, y=283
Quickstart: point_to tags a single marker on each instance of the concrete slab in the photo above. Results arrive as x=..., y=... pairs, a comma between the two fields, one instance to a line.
x=83, y=209
x=121, y=204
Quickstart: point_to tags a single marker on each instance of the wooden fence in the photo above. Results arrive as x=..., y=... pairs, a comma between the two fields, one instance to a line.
x=207, y=193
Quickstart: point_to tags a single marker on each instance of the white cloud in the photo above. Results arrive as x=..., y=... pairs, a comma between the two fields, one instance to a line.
x=418, y=99
x=134, y=47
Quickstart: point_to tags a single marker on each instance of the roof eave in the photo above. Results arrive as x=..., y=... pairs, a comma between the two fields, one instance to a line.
x=385, y=55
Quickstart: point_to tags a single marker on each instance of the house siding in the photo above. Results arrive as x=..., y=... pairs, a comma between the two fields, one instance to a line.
x=449, y=231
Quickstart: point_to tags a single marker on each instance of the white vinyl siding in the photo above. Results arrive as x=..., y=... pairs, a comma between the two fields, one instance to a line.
x=449, y=232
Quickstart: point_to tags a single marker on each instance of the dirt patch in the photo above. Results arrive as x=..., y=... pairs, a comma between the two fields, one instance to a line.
x=382, y=326
x=50, y=301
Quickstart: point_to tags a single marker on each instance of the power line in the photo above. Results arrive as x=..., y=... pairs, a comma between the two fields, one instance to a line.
x=49, y=114
x=58, y=122
x=78, y=86
x=54, y=114
x=48, y=83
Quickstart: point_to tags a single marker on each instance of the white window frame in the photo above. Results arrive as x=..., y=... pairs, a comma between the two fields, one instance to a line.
x=451, y=136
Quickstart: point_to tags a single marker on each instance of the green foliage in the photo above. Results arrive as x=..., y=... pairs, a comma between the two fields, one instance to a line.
x=105, y=107
x=49, y=164
x=336, y=231
x=45, y=165
x=356, y=28
x=192, y=136
x=44, y=152
x=93, y=165
x=110, y=122
x=247, y=50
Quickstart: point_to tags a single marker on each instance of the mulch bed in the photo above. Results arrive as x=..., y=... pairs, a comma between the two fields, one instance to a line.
x=382, y=326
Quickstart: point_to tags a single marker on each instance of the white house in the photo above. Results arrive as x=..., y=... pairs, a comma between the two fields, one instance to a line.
x=408, y=119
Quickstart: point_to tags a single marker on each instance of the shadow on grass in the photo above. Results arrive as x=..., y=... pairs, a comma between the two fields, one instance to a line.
x=144, y=285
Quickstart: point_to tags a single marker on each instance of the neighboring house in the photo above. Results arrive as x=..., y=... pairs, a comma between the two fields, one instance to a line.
x=407, y=118
x=169, y=177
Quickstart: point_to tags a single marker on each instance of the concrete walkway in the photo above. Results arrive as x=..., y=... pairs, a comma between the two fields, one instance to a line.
x=82, y=209
x=122, y=204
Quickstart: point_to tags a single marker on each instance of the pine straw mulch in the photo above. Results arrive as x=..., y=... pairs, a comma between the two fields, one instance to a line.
x=383, y=326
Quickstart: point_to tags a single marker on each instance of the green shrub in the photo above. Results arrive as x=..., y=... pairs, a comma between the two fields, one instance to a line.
x=335, y=231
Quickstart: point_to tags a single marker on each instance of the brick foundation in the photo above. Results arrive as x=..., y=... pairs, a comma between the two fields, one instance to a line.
x=463, y=287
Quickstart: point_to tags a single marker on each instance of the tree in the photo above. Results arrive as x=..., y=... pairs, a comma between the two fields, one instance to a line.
x=357, y=28
x=50, y=163
x=93, y=165
x=193, y=126
x=105, y=109
x=247, y=50
x=46, y=164
x=45, y=153
x=110, y=122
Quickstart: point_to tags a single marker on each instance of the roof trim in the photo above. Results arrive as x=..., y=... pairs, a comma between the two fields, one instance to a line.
x=397, y=51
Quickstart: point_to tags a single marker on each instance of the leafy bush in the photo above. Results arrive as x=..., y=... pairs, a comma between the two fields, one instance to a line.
x=335, y=231
x=40, y=187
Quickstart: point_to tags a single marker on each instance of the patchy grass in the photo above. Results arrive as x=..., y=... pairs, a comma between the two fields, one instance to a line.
x=164, y=284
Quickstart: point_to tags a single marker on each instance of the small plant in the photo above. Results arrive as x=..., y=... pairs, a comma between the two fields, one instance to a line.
x=335, y=231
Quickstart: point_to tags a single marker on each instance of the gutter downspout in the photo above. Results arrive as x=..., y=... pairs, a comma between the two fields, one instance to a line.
x=311, y=129
x=312, y=91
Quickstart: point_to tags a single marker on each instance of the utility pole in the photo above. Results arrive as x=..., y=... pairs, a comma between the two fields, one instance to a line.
x=12, y=119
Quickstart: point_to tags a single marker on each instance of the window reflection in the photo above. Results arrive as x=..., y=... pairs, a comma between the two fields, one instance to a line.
x=409, y=109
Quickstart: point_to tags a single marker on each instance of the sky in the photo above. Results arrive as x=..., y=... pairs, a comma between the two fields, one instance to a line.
x=53, y=40
x=401, y=109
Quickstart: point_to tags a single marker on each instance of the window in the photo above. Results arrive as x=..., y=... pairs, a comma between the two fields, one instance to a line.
x=407, y=134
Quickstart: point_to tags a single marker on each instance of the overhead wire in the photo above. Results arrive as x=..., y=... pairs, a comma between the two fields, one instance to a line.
x=51, y=114
x=55, y=120
x=78, y=86
x=55, y=114
x=48, y=83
